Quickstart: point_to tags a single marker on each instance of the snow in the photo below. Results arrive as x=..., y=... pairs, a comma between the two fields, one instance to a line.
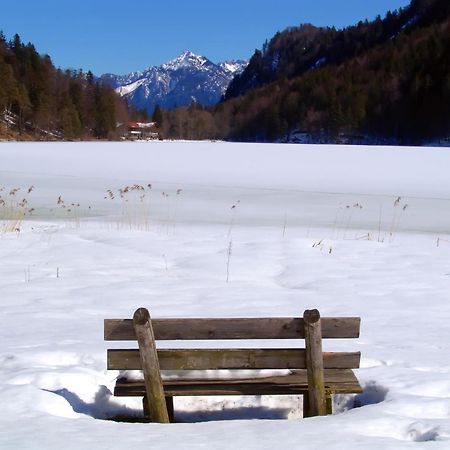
x=129, y=88
x=146, y=124
x=350, y=230
x=185, y=60
x=235, y=67
x=319, y=63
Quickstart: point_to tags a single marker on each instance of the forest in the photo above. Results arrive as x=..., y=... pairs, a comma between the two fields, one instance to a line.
x=43, y=102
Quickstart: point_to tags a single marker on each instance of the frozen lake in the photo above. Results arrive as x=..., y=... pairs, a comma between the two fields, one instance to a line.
x=95, y=230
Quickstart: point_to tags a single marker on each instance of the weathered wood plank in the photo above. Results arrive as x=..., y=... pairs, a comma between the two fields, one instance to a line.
x=202, y=359
x=336, y=381
x=148, y=358
x=249, y=328
x=314, y=363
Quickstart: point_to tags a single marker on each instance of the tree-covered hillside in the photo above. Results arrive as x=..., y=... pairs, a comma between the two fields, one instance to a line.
x=44, y=102
x=388, y=79
x=299, y=49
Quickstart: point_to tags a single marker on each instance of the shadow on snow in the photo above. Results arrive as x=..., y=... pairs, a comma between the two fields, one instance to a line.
x=105, y=408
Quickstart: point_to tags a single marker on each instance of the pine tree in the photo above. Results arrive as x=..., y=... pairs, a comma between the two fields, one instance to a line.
x=158, y=116
x=105, y=123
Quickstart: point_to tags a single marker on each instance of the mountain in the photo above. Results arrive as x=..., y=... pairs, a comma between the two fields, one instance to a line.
x=186, y=79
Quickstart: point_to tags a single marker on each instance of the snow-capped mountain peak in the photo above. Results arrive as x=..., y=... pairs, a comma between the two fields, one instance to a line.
x=186, y=59
x=187, y=78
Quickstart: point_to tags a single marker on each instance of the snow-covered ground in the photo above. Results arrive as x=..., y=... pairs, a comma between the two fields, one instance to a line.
x=110, y=227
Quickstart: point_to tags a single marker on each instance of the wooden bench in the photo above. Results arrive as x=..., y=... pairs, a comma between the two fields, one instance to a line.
x=314, y=374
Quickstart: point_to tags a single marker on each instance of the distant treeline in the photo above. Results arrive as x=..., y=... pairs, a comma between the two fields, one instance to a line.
x=388, y=78
x=47, y=102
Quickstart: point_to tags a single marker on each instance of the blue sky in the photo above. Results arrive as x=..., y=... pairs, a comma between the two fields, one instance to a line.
x=120, y=36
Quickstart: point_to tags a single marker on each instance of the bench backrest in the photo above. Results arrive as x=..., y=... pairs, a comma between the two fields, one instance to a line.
x=232, y=329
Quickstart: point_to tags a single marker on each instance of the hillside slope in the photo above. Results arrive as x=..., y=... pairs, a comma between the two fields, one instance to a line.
x=297, y=50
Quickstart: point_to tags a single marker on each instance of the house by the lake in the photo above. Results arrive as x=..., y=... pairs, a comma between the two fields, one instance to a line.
x=140, y=131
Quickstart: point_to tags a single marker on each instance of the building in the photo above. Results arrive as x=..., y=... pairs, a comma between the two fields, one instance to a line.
x=141, y=131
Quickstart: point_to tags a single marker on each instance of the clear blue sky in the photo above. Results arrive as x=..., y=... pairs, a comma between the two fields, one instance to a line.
x=123, y=36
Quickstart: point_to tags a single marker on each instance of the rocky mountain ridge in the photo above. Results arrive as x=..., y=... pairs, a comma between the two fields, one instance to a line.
x=187, y=79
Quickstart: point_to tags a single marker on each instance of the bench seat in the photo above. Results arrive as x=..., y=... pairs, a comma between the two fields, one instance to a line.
x=336, y=382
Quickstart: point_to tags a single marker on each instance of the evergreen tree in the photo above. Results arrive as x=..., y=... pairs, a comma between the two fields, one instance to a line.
x=105, y=123
x=158, y=116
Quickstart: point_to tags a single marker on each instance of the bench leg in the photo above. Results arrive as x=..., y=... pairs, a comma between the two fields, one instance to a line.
x=306, y=405
x=306, y=412
x=169, y=404
x=150, y=365
x=146, y=408
x=170, y=410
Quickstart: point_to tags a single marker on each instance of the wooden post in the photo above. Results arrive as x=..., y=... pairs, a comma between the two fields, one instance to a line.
x=314, y=363
x=150, y=366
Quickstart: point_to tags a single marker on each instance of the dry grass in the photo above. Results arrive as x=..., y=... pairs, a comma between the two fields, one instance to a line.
x=139, y=205
x=14, y=208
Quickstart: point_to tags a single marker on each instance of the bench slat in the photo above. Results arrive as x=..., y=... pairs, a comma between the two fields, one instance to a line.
x=337, y=381
x=258, y=328
x=203, y=359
